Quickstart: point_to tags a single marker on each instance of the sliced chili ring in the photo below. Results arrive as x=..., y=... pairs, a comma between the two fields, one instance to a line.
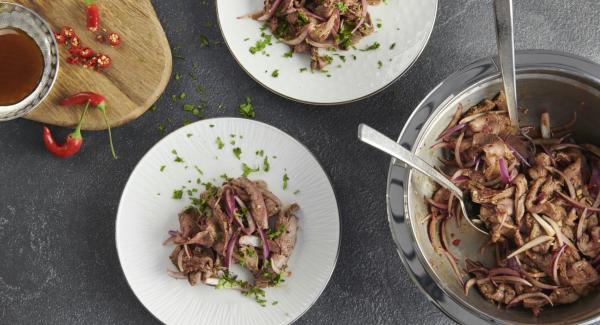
x=75, y=50
x=91, y=63
x=60, y=38
x=104, y=61
x=73, y=59
x=86, y=53
x=114, y=39
x=75, y=41
x=68, y=32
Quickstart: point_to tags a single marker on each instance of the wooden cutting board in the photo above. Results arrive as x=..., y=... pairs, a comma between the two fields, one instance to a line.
x=141, y=67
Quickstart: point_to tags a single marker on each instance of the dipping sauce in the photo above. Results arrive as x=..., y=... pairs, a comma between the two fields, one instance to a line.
x=21, y=65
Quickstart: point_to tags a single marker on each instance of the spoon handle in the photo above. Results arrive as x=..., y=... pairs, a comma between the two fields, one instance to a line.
x=378, y=140
x=503, y=10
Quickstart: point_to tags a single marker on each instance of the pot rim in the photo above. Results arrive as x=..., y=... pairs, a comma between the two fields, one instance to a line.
x=478, y=72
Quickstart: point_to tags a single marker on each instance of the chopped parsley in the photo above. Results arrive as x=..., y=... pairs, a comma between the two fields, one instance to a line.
x=162, y=168
x=246, y=39
x=373, y=46
x=275, y=73
x=247, y=170
x=225, y=177
x=285, y=181
x=272, y=234
x=246, y=109
x=189, y=135
x=162, y=129
x=266, y=165
x=379, y=64
x=153, y=108
x=296, y=192
x=177, y=194
x=260, y=153
x=198, y=170
x=275, y=302
x=261, y=44
x=302, y=18
x=379, y=25
x=392, y=46
x=177, y=158
x=220, y=143
x=303, y=69
x=182, y=96
x=288, y=54
x=344, y=36
x=177, y=76
x=342, y=7
x=200, y=89
x=237, y=152
x=188, y=107
x=203, y=40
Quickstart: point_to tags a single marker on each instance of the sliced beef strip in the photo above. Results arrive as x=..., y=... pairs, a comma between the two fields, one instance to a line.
x=485, y=106
x=500, y=101
x=289, y=221
x=564, y=295
x=257, y=206
x=520, y=194
x=271, y=201
x=574, y=174
x=188, y=225
x=224, y=228
x=538, y=170
x=249, y=258
x=493, y=123
x=484, y=195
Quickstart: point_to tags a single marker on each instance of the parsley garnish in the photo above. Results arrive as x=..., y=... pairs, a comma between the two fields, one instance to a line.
x=177, y=76
x=219, y=143
x=266, y=165
x=303, y=69
x=237, y=152
x=285, y=181
x=272, y=234
x=302, y=17
x=373, y=46
x=288, y=54
x=296, y=192
x=246, y=109
x=379, y=64
x=261, y=44
x=182, y=96
x=342, y=7
x=177, y=194
x=162, y=168
x=275, y=73
x=392, y=46
x=247, y=170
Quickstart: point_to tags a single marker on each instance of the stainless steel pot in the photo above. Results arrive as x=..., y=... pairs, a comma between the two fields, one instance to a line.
x=547, y=81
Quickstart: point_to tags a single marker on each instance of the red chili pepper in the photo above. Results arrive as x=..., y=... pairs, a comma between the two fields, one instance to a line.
x=86, y=53
x=73, y=60
x=68, y=32
x=72, y=144
x=91, y=63
x=104, y=61
x=75, y=50
x=93, y=16
x=75, y=41
x=96, y=100
x=60, y=38
x=114, y=39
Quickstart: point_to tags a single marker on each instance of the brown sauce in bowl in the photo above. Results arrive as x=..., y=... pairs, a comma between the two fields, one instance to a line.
x=21, y=65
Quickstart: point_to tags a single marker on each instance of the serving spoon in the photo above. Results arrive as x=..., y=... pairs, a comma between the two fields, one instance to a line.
x=407, y=159
x=503, y=11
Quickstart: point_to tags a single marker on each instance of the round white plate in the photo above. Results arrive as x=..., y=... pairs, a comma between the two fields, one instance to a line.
x=407, y=23
x=147, y=211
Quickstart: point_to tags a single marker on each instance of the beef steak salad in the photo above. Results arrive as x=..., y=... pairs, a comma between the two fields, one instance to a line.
x=539, y=197
x=309, y=25
x=239, y=222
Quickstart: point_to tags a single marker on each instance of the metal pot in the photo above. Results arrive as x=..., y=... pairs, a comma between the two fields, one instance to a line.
x=547, y=81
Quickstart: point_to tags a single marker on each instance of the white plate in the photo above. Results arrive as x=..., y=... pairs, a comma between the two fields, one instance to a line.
x=144, y=217
x=407, y=23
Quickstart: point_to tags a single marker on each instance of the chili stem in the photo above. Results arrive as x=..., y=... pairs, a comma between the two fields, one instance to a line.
x=112, y=148
x=78, y=128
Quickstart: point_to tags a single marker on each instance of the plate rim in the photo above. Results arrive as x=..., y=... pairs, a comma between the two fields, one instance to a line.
x=261, y=124
x=330, y=104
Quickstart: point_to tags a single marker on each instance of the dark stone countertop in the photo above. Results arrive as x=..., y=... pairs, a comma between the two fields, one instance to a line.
x=59, y=262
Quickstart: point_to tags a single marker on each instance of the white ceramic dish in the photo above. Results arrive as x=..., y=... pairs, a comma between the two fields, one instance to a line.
x=144, y=217
x=407, y=23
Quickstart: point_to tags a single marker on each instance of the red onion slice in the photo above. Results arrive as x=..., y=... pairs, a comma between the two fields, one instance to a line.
x=313, y=15
x=504, y=271
x=577, y=204
x=468, y=285
x=363, y=15
x=251, y=226
x=267, y=15
x=555, y=264
x=504, y=174
x=521, y=297
x=176, y=275
x=299, y=39
x=230, y=204
x=265, y=244
x=230, y=247
x=532, y=243
x=438, y=205
x=457, y=150
x=449, y=132
x=320, y=45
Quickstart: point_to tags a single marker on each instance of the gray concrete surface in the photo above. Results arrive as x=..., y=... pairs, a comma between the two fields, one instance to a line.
x=58, y=262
